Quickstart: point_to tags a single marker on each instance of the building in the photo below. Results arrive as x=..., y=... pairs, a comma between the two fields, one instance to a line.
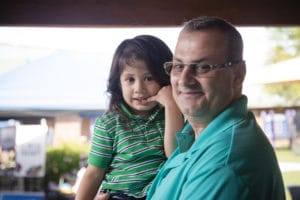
x=66, y=88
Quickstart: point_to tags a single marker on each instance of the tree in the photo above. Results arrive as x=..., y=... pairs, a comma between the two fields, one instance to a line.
x=287, y=46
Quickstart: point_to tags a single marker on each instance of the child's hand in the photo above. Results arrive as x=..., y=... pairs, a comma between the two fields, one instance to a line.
x=163, y=97
x=102, y=196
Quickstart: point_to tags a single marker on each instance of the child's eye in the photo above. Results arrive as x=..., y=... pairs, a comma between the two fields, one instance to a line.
x=129, y=79
x=148, y=78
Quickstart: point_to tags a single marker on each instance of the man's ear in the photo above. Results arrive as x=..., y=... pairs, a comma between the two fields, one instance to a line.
x=240, y=73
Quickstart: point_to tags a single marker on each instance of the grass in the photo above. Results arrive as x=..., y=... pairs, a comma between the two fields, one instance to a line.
x=292, y=177
x=286, y=155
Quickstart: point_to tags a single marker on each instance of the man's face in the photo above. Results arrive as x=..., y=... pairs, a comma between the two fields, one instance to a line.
x=203, y=97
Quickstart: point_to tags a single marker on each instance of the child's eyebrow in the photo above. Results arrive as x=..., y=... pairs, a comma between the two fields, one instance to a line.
x=127, y=74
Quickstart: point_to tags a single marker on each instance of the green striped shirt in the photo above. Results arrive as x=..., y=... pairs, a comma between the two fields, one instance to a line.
x=131, y=151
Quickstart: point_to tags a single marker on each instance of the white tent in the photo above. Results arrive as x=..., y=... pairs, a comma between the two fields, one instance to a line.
x=280, y=73
x=65, y=80
x=68, y=80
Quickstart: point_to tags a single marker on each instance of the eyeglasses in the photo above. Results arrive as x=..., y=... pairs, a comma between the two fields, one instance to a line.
x=199, y=69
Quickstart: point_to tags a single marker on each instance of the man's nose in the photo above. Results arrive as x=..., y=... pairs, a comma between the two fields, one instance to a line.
x=186, y=76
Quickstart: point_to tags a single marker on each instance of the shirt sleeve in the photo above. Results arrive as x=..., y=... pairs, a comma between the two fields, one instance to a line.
x=220, y=183
x=101, y=151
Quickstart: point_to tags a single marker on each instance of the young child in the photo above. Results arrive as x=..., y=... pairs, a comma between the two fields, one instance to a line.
x=133, y=138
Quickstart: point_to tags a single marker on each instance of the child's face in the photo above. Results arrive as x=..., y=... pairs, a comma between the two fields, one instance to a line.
x=137, y=85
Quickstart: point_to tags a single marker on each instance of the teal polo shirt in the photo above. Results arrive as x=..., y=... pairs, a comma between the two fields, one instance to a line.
x=231, y=159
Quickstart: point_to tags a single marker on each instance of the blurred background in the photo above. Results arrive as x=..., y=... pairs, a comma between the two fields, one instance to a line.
x=53, y=87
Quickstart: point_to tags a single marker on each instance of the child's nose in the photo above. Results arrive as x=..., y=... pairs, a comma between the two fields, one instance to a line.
x=140, y=86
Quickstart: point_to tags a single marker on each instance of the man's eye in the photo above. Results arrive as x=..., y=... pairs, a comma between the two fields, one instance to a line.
x=202, y=68
x=178, y=66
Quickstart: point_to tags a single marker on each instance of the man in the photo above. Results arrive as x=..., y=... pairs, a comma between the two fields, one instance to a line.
x=222, y=152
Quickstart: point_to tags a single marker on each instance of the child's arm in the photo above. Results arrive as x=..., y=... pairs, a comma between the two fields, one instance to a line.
x=173, y=118
x=90, y=183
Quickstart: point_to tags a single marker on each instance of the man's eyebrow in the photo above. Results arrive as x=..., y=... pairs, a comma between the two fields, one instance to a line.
x=194, y=61
x=177, y=59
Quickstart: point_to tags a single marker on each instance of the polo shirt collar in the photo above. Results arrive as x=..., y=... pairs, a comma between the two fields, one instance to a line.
x=156, y=111
x=185, y=139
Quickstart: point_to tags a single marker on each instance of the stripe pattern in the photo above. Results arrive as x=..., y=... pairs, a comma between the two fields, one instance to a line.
x=131, y=151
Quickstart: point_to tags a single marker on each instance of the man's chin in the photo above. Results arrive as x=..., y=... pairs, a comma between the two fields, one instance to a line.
x=190, y=111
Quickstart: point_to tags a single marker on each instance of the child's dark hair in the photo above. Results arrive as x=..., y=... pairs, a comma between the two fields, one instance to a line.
x=150, y=49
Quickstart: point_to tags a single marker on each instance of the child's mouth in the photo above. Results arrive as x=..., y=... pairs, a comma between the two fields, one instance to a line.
x=141, y=100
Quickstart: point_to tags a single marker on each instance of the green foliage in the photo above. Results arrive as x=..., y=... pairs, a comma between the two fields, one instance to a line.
x=287, y=46
x=287, y=155
x=289, y=177
x=286, y=42
x=63, y=159
x=288, y=91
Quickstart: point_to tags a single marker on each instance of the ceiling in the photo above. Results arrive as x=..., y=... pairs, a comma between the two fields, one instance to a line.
x=120, y=13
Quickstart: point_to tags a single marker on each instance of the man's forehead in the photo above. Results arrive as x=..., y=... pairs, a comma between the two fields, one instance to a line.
x=203, y=36
x=198, y=46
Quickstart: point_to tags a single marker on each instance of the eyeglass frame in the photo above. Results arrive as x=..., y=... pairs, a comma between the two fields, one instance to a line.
x=168, y=69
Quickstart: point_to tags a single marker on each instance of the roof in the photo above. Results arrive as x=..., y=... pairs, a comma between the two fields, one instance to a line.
x=64, y=80
x=283, y=72
x=145, y=13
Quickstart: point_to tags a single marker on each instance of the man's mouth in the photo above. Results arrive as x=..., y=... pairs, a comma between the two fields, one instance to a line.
x=191, y=92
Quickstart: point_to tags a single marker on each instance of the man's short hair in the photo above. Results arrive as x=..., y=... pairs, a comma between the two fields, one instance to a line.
x=234, y=38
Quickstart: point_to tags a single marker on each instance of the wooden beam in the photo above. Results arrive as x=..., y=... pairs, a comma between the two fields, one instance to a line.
x=116, y=13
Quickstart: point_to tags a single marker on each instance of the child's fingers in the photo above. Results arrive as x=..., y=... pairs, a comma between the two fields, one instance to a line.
x=151, y=99
x=102, y=196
